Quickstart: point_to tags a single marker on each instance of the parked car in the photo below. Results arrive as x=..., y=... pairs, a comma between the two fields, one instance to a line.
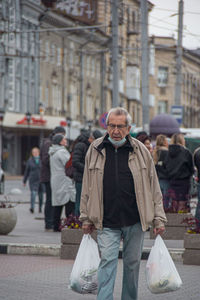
x=2, y=181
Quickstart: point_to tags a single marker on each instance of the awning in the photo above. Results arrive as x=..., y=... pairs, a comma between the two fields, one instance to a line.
x=18, y=122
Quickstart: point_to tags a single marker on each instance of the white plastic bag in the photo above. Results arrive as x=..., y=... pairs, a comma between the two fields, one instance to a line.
x=83, y=278
x=161, y=273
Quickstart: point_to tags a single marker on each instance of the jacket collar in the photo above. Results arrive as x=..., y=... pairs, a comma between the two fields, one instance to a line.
x=104, y=141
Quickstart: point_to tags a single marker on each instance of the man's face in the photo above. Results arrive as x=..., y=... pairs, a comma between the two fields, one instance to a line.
x=117, y=127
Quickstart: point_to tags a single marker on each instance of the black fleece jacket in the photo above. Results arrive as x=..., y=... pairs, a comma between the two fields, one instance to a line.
x=197, y=162
x=179, y=162
x=120, y=208
x=78, y=159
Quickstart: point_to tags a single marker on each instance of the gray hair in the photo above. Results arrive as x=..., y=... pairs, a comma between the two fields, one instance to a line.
x=118, y=111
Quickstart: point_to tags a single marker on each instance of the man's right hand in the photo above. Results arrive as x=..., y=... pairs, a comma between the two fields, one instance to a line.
x=87, y=228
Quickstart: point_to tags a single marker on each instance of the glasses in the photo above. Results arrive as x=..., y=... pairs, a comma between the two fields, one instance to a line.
x=119, y=126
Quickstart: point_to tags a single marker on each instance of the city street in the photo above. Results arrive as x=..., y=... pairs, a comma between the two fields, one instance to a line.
x=31, y=277
x=36, y=277
x=130, y=71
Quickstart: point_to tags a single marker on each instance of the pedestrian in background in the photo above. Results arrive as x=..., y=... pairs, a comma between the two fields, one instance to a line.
x=196, y=157
x=63, y=190
x=159, y=156
x=120, y=197
x=78, y=162
x=45, y=176
x=180, y=168
x=32, y=174
x=146, y=140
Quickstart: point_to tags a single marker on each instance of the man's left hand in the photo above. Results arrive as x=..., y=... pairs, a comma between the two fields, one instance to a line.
x=159, y=230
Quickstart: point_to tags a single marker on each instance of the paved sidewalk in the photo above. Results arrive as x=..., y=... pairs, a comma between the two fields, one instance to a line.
x=28, y=277
x=36, y=277
x=29, y=236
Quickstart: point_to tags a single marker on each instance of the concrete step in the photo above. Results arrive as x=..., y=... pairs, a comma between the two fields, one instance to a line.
x=54, y=250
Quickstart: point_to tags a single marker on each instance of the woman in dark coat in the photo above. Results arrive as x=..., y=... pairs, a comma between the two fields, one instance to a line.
x=78, y=161
x=180, y=168
x=159, y=156
x=32, y=173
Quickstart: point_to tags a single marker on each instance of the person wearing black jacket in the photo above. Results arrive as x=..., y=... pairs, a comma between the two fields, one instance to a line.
x=45, y=176
x=180, y=168
x=159, y=156
x=197, y=165
x=32, y=174
x=78, y=162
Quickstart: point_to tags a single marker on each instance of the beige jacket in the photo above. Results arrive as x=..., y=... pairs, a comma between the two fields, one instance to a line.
x=147, y=189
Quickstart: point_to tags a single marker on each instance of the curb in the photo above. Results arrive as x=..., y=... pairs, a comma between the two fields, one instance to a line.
x=54, y=250
x=30, y=249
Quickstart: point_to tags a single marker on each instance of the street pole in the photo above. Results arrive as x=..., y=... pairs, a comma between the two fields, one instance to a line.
x=1, y=125
x=28, y=119
x=115, y=50
x=179, y=52
x=103, y=68
x=90, y=123
x=81, y=83
x=69, y=120
x=145, y=65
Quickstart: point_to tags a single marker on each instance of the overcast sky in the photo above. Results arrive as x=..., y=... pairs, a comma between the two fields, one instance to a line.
x=163, y=23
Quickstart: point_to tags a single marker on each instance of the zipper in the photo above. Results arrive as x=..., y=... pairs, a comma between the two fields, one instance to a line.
x=116, y=170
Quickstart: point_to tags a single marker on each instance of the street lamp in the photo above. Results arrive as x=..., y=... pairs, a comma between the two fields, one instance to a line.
x=28, y=119
x=90, y=123
x=41, y=113
x=2, y=112
x=69, y=121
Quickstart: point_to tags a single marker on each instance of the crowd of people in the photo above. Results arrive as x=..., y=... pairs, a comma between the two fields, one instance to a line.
x=46, y=172
x=175, y=168
x=120, y=186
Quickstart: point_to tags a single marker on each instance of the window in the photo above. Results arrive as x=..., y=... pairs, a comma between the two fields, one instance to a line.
x=46, y=51
x=32, y=43
x=71, y=54
x=41, y=93
x=151, y=59
x=97, y=70
x=46, y=95
x=132, y=21
x=17, y=94
x=88, y=66
x=65, y=58
x=162, y=107
x=53, y=53
x=135, y=23
x=58, y=57
x=133, y=82
x=25, y=41
x=92, y=67
x=41, y=49
x=162, y=76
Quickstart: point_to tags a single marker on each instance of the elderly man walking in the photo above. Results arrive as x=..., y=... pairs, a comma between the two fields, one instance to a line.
x=121, y=198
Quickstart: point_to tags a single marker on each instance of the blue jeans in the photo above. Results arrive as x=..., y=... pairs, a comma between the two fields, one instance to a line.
x=33, y=197
x=78, y=186
x=109, y=242
x=197, y=214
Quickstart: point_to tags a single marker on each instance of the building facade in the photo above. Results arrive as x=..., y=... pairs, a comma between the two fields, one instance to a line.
x=71, y=63
x=163, y=80
x=48, y=71
x=56, y=67
x=19, y=76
